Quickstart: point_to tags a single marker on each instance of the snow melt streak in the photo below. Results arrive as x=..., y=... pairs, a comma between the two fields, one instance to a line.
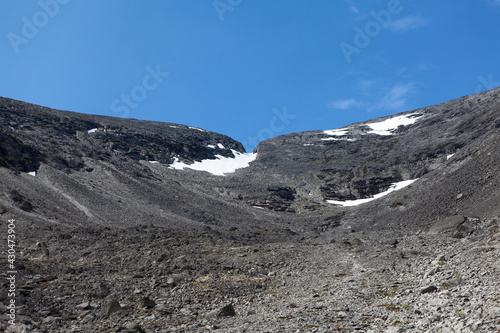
x=394, y=187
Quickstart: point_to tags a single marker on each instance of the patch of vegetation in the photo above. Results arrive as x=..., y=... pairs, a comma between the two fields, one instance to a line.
x=388, y=292
x=390, y=307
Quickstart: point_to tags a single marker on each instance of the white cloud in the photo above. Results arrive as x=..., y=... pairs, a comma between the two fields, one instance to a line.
x=396, y=97
x=408, y=23
x=354, y=10
x=494, y=3
x=377, y=97
x=345, y=104
x=424, y=67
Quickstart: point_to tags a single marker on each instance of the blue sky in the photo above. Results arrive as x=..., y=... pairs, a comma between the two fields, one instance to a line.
x=250, y=69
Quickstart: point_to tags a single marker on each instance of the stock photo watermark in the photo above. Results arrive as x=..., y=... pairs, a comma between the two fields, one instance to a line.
x=11, y=272
x=363, y=37
x=223, y=6
x=31, y=26
x=486, y=83
x=139, y=93
x=277, y=124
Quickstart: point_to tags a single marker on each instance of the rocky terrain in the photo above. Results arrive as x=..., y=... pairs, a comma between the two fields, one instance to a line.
x=111, y=236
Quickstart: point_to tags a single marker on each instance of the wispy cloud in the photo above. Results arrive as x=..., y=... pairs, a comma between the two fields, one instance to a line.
x=345, y=104
x=494, y=3
x=423, y=67
x=408, y=23
x=395, y=98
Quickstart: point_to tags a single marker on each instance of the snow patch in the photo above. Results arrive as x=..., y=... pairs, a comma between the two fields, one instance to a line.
x=220, y=166
x=92, y=130
x=394, y=187
x=211, y=146
x=386, y=127
x=153, y=162
x=32, y=173
x=221, y=146
x=337, y=132
x=449, y=156
x=337, y=139
x=196, y=128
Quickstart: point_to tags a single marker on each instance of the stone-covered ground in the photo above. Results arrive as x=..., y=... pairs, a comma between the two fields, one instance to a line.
x=149, y=279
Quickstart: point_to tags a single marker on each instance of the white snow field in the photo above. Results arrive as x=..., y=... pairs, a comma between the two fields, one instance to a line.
x=220, y=166
x=387, y=126
x=337, y=132
x=394, y=187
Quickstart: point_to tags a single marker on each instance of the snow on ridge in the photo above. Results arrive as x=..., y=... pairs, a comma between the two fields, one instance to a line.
x=337, y=132
x=220, y=166
x=336, y=139
x=386, y=127
x=394, y=187
x=196, y=128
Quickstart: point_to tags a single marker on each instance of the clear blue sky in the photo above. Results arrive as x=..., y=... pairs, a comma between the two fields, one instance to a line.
x=248, y=68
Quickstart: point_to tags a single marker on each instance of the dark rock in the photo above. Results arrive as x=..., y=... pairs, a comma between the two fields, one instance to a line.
x=146, y=303
x=286, y=193
x=26, y=206
x=227, y=311
x=101, y=290
x=429, y=289
x=110, y=307
x=15, y=196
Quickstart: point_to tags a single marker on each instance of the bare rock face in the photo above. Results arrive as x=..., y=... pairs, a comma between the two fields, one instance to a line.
x=110, y=237
x=65, y=139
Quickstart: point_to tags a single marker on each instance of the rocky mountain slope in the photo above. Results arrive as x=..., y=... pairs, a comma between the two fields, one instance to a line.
x=116, y=231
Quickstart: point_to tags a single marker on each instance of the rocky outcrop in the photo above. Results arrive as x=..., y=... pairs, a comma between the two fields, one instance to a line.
x=31, y=135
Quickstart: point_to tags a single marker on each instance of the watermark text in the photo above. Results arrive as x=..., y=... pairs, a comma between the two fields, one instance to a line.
x=11, y=272
x=223, y=6
x=31, y=26
x=139, y=93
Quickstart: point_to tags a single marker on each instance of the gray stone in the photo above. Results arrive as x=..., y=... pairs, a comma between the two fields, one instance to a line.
x=101, y=290
x=226, y=311
x=447, y=223
x=131, y=328
x=110, y=307
x=145, y=302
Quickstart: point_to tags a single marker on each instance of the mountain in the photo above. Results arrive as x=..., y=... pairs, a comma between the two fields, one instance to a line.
x=183, y=211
